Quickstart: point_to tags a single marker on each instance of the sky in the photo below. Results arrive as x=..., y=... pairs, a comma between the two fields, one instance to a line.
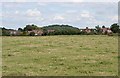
x=77, y=13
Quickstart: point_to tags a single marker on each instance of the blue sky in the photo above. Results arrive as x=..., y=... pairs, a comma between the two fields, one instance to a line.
x=78, y=14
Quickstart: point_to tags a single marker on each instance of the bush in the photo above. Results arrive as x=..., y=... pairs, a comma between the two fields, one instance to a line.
x=32, y=34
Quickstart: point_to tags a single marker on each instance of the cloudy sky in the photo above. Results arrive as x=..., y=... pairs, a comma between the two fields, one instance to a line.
x=78, y=14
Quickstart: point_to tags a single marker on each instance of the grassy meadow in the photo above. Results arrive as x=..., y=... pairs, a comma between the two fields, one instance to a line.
x=77, y=55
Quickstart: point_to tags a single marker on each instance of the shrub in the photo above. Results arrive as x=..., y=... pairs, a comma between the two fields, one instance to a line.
x=32, y=34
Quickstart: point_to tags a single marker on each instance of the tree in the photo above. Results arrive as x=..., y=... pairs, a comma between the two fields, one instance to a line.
x=115, y=28
x=30, y=27
x=103, y=26
x=20, y=29
x=24, y=33
x=61, y=30
x=5, y=32
x=98, y=29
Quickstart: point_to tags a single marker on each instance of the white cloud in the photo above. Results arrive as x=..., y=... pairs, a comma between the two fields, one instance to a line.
x=16, y=12
x=75, y=0
x=58, y=17
x=33, y=12
x=71, y=11
x=114, y=18
x=39, y=19
x=1, y=15
x=85, y=14
x=13, y=0
x=101, y=0
x=42, y=3
x=59, y=1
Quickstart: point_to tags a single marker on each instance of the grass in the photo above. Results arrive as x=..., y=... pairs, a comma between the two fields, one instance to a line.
x=89, y=55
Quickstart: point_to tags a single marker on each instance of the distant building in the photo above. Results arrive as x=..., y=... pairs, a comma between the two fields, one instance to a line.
x=87, y=30
x=37, y=32
x=106, y=31
x=14, y=32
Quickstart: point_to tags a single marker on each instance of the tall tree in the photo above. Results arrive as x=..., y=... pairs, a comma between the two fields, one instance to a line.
x=98, y=29
x=103, y=26
x=115, y=28
x=30, y=27
x=20, y=29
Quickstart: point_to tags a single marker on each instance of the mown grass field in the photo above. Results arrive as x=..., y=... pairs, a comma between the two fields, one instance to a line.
x=88, y=55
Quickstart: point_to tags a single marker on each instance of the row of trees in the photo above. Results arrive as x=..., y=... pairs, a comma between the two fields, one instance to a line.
x=61, y=30
x=56, y=30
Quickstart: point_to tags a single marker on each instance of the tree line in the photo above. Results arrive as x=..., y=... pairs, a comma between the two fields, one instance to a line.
x=34, y=30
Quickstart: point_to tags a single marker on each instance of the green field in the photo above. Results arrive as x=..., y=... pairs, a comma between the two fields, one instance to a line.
x=86, y=55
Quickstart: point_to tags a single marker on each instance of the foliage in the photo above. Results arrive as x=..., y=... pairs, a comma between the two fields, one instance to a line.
x=98, y=29
x=30, y=27
x=62, y=30
x=20, y=29
x=24, y=33
x=5, y=32
x=115, y=28
x=59, y=30
x=103, y=26
x=32, y=34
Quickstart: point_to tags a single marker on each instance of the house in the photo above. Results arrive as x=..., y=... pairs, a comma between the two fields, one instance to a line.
x=109, y=30
x=87, y=30
x=106, y=31
x=14, y=32
x=37, y=32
